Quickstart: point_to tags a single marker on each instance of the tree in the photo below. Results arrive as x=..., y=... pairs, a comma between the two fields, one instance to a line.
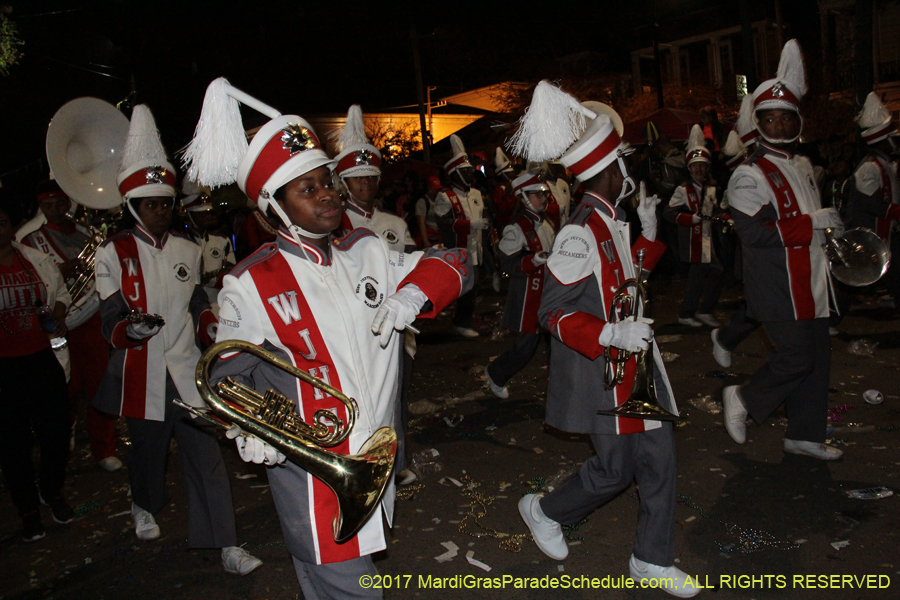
x=9, y=41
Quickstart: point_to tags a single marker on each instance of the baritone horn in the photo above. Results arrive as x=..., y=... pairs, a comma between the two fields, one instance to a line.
x=642, y=403
x=359, y=481
x=857, y=258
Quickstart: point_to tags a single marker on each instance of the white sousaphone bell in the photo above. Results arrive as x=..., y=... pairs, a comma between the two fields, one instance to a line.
x=84, y=145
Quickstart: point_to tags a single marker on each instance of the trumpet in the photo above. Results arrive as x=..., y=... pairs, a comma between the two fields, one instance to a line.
x=358, y=481
x=642, y=403
x=727, y=224
x=136, y=316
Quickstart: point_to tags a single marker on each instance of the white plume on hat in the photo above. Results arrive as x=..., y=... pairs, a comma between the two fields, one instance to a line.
x=695, y=138
x=873, y=113
x=745, y=122
x=353, y=132
x=733, y=145
x=220, y=143
x=550, y=125
x=790, y=68
x=142, y=144
x=501, y=161
x=456, y=145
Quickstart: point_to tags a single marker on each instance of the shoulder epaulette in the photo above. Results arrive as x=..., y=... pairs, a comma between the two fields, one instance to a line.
x=347, y=242
x=120, y=235
x=757, y=154
x=262, y=254
x=581, y=215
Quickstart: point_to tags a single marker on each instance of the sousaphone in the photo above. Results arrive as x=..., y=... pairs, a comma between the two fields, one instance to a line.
x=84, y=147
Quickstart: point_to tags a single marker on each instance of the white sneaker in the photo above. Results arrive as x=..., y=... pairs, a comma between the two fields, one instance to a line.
x=833, y=331
x=238, y=561
x=467, y=332
x=708, y=320
x=546, y=532
x=722, y=356
x=145, y=526
x=110, y=463
x=500, y=392
x=671, y=580
x=735, y=413
x=690, y=322
x=813, y=449
x=406, y=477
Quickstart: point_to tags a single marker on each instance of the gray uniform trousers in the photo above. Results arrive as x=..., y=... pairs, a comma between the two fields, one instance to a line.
x=647, y=458
x=796, y=374
x=210, y=509
x=514, y=358
x=738, y=328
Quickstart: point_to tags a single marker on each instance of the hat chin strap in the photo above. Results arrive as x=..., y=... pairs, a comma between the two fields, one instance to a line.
x=628, y=186
x=295, y=230
x=774, y=141
x=135, y=214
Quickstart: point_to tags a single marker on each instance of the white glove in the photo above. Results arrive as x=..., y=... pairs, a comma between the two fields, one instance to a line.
x=627, y=335
x=540, y=258
x=397, y=312
x=828, y=218
x=695, y=219
x=476, y=224
x=646, y=211
x=252, y=449
x=141, y=331
x=212, y=329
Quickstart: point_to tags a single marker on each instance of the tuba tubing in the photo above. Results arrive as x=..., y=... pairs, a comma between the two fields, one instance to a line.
x=358, y=481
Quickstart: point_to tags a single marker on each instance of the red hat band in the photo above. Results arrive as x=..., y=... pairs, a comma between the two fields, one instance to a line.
x=596, y=155
x=155, y=175
x=777, y=93
x=873, y=137
x=281, y=147
x=358, y=158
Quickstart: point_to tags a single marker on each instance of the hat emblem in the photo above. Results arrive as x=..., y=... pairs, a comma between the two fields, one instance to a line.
x=155, y=175
x=297, y=139
x=363, y=157
x=778, y=90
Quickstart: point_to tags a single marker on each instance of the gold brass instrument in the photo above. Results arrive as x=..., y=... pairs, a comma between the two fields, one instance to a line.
x=643, y=402
x=86, y=264
x=136, y=316
x=359, y=481
x=727, y=224
x=857, y=258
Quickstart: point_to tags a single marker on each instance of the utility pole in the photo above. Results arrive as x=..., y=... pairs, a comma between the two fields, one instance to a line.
x=414, y=38
x=747, y=46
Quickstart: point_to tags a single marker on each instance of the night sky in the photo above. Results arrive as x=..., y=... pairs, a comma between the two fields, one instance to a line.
x=311, y=58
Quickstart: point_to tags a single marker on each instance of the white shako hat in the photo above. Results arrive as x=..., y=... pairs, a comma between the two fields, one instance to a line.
x=528, y=182
x=555, y=126
x=734, y=149
x=746, y=126
x=357, y=156
x=788, y=87
x=459, y=157
x=696, y=150
x=501, y=162
x=145, y=170
x=197, y=198
x=875, y=120
x=283, y=149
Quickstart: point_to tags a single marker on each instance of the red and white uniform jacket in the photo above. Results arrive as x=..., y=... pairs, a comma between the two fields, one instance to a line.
x=695, y=244
x=456, y=209
x=388, y=227
x=528, y=236
x=874, y=199
x=786, y=273
x=591, y=257
x=315, y=310
x=64, y=244
x=133, y=271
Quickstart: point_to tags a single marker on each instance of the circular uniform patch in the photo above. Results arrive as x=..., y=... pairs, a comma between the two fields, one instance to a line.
x=369, y=291
x=182, y=272
x=390, y=236
x=215, y=252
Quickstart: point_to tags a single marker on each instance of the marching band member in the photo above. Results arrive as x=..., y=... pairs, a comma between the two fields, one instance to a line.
x=359, y=168
x=63, y=239
x=778, y=217
x=524, y=249
x=147, y=269
x=592, y=255
x=429, y=234
x=327, y=305
x=459, y=210
x=874, y=199
x=215, y=250
x=32, y=382
x=691, y=201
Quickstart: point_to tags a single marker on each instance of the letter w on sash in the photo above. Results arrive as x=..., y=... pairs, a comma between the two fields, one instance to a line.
x=286, y=306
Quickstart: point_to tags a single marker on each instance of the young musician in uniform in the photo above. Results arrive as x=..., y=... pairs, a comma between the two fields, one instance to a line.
x=146, y=269
x=779, y=219
x=592, y=255
x=524, y=249
x=64, y=239
x=330, y=307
